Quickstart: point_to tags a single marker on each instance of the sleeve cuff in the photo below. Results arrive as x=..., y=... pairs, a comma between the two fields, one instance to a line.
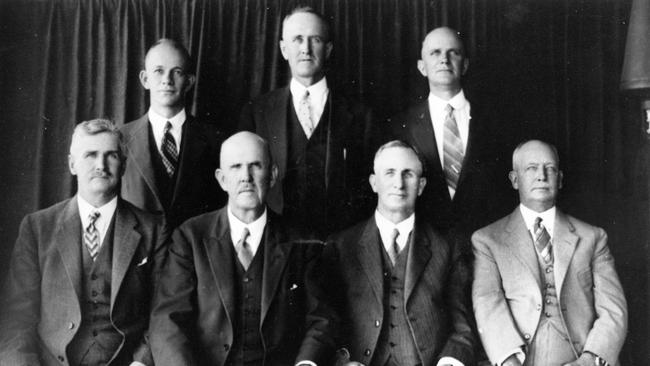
x=136, y=363
x=517, y=352
x=305, y=363
x=449, y=361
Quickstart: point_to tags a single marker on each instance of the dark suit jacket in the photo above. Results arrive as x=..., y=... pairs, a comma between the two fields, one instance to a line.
x=42, y=310
x=348, y=162
x=507, y=289
x=435, y=292
x=192, y=320
x=196, y=190
x=483, y=193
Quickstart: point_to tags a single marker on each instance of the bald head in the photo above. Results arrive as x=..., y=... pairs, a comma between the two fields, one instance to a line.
x=443, y=62
x=246, y=173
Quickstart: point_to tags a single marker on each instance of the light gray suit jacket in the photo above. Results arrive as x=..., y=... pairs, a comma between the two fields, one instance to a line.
x=507, y=293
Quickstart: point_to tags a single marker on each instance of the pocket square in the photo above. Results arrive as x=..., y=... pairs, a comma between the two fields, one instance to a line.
x=142, y=262
x=293, y=287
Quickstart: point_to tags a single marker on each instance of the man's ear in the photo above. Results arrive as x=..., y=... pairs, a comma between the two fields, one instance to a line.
x=465, y=66
x=373, y=182
x=283, y=50
x=274, y=175
x=191, y=79
x=143, y=79
x=73, y=171
x=329, y=46
x=422, y=68
x=423, y=183
x=560, y=177
x=218, y=174
x=513, y=179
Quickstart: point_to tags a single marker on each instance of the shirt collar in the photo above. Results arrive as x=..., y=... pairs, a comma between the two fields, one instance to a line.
x=106, y=212
x=548, y=218
x=458, y=102
x=255, y=228
x=316, y=91
x=386, y=227
x=159, y=121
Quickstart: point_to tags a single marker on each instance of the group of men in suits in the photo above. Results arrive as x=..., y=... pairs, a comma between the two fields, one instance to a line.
x=95, y=280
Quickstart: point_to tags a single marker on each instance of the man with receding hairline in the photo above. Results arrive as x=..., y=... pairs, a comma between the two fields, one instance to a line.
x=171, y=155
x=233, y=291
x=83, y=271
x=317, y=136
x=545, y=288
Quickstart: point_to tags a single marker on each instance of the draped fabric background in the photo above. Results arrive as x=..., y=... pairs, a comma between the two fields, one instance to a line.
x=550, y=68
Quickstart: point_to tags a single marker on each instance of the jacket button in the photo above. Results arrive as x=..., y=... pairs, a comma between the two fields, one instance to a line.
x=71, y=325
x=377, y=323
x=527, y=336
x=226, y=347
x=366, y=352
x=61, y=358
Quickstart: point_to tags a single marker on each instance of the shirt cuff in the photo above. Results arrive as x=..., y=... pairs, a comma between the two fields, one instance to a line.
x=306, y=362
x=136, y=363
x=517, y=352
x=449, y=361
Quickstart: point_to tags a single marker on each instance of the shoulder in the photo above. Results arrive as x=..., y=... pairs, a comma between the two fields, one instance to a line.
x=492, y=232
x=131, y=126
x=203, y=223
x=581, y=228
x=350, y=234
x=50, y=213
x=142, y=216
x=270, y=98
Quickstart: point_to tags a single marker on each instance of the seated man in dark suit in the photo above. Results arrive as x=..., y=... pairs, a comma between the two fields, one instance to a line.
x=233, y=291
x=399, y=287
x=171, y=156
x=317, y=136
x=82, y=271
x=545, y=287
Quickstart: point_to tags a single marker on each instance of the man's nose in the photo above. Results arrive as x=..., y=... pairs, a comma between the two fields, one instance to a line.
x=305, y=47
x=167, y=78
x=542, y=175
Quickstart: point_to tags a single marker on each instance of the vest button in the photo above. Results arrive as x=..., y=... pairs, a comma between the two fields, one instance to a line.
x=366, y=352
x=549, y=269
x=61, y=358
x=226, y=347
x=71, y=325
x=94, y=293
x=548, y=301
x=377, y=323
x=527, y=336
x=548, y=315
x=246, y=279
x=539, y=307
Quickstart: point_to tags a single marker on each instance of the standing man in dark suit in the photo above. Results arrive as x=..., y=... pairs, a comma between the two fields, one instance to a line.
x=317, y=137
x=233, y=291
x=545, y=288
x=460, y=149
x=399, y=287
x=171, y=157
x=82, y=271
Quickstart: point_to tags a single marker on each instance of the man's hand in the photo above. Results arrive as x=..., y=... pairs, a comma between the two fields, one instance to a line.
x=354, y=363
x=512, y=361
x=586, y=359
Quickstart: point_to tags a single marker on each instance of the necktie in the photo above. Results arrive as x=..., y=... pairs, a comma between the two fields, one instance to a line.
x=91, y=235
x=453, y=148
x=304, y=114
x=542, y=240
x=393, y=250
x=169, y=151
x=243, y=249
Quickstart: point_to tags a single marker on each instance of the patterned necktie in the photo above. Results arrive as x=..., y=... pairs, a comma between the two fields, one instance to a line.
x=542, y=240
x=91, y=235
x=169, y=151
x=393, y=250
x=304, y=114
x=452, y=148
x=243, y=249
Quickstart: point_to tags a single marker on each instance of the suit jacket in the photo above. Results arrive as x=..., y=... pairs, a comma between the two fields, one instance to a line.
x=192, y=320
x=42, y=309
x=348, y=161
x=507, y=286
x=436, y=293
x=483, y=192
x=196, y=190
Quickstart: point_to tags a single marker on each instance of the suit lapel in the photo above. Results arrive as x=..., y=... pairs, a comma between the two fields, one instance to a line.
x=276, y=115
x=564, y=245
x=139, y=154
x=192, y=146
x=69, y=244
x=125, y=242
x=368, y=255
x=217, y=248
x=420, y=252
x=276, y=257
x=520, y=242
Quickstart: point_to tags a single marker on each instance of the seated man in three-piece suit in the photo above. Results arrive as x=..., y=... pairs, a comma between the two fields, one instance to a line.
x=80, y=282
x=233, y=290
x=171, y=156
x=399, y=287
x=545, y=288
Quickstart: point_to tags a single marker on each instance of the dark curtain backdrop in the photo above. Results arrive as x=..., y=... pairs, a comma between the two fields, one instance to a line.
x=548, y=68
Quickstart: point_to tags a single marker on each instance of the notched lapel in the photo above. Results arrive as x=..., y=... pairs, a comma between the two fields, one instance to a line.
x=520, y=243
x=564, y=245
x=369, y=258
x=221, y=263
x=137, y=146
x=419, y=255
x=276, y=257
x=69, y=244
x=125, y=242
x=193, y=144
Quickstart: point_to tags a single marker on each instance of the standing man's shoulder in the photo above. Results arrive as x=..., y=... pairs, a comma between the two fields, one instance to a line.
x=130, y=127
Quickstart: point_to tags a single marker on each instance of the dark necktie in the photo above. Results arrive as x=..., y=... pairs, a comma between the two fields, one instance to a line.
x=452, y=148
x=169, y=150
x=542, y=240
x=243, y=249
x=91, y=235
x=393, y=250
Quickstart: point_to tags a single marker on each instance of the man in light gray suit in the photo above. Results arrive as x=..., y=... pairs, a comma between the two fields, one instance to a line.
x=545, y=288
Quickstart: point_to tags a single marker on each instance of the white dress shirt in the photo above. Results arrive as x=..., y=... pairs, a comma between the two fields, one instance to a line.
x=462, y=114
x=317, y=98
x=255, y=228
x=106, y=213
x=548, y=219
x=158, y=123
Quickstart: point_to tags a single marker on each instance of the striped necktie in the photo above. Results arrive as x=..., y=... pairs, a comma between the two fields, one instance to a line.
x=452, y=148
x=169, y=150
x=393, y=250
x=542, y=240
x=91, y=235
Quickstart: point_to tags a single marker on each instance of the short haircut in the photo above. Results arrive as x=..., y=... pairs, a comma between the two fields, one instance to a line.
x=95, y=127
x=265, y=146
x=403, y=145
x=310, y=10
x=521, y=144
x=178, y=46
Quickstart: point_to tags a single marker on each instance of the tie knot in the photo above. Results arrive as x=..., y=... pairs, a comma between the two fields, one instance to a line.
x=93, y=217
x=538, y=222
x=449, y=109
x=394, y=234
x=306, y=95
x=168, y=126
x=244, y=235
